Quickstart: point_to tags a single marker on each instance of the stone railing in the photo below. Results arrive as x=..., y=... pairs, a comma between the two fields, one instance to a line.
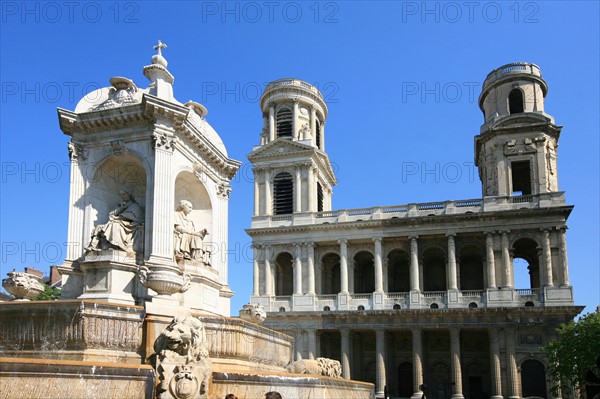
x=230, y=338
x=512, y=68
x=295, y=83
x=455, y=207
x=482, y=298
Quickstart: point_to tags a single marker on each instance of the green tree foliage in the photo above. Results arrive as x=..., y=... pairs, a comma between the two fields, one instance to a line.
x=575, y=357
x=49, y=294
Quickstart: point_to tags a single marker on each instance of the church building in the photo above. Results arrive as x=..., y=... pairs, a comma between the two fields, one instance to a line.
x=417, y=298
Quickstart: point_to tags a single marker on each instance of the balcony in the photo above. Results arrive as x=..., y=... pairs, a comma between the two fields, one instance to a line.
x=415, y=210
x=468, y=299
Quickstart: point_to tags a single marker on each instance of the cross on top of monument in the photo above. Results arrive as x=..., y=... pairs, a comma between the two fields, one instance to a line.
x=160, y=46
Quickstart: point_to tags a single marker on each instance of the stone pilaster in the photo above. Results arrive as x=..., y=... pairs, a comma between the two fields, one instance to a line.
x=564, y=260
x=343, y=266
x=378, y=265
x=495, y=374
x=506, y=261
x=268, y=273
x=547, y=258
x=310, y=247
x=298, y=270
x=452, y=277
x=511, y=366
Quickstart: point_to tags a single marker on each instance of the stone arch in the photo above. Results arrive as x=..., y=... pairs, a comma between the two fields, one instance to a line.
x=398, y=271
x=114, y=173
x=516, y=101
x=526, y=261
x=434, y=269
x=189, y=187
x=471, y=267
x=284, y=274
x=364, y=272
x=330, y=274
x=533, y=379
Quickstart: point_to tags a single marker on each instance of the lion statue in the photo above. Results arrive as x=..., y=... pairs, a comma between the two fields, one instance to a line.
x=182, y=362
x=184, y=337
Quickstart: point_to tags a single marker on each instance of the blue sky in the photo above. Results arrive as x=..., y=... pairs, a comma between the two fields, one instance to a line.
x=401, y=80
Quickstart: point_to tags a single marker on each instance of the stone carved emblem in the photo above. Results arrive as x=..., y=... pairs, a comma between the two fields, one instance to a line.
x=253, y=313
x=122, y=93
x=182, y=362
x=23, y=286
x=318, y=366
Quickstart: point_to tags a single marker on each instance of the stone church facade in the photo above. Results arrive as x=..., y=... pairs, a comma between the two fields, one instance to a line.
x=421, y=293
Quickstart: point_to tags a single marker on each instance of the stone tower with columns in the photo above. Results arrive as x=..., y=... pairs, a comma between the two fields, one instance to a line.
x=516, y=148
x=418, y=293
x=136, y=154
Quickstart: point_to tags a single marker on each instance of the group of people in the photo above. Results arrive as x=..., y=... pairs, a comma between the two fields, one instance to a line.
x=268, y=395
x=121, y=230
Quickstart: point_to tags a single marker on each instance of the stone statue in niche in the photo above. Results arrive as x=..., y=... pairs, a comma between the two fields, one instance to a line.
x=123, y=229
x=181, y=360
x=189, y=241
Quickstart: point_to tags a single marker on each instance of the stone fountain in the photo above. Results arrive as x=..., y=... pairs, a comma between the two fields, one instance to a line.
x=145, y=298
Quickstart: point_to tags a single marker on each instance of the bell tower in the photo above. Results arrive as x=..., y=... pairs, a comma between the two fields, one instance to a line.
x=515, y=150
x=292, y=172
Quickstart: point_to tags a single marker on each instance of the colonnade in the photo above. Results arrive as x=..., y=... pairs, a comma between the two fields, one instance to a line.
x=497, y=358
x=305, y=258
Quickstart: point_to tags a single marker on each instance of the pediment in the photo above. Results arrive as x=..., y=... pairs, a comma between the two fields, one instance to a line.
x=280, y=147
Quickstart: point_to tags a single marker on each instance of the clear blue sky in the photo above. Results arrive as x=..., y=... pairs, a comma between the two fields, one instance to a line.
x=401, y=80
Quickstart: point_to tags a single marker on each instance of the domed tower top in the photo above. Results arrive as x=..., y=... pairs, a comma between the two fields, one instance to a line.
x=512, y=89
x=293, y=109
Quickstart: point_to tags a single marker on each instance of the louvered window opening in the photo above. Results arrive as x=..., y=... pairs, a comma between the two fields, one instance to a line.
x=284, y=123
x=319, y=197
x=283, y=195
x=318, y=134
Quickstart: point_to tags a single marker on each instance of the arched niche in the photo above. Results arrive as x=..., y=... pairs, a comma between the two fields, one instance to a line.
x=188, y=187
x=116, y=173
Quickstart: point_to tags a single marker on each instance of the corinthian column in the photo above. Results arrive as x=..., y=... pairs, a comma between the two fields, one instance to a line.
x=378, y=265
x=547, y=258
x=344, y=266
x=414, y=265
x=452, y=280
x=311, y=267
x=298, y=271
x=455, y=363
x=380, y=362
x=417, y=353
x=491, y=262
x=496, y=383
x=345, y=335
x=506, y=263
x=564, y=260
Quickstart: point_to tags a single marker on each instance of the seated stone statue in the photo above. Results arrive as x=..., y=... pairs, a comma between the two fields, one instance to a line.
x=121, y=230
x=188, y=240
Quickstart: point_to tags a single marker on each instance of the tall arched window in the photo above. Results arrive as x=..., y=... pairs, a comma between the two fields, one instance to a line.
x=283, y=194
x=515, y=101
x=364, y=273
x=533, y=379
x=526, y=267
x=284, y=122
x=319, y=197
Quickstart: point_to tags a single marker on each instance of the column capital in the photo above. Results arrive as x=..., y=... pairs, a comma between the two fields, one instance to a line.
x=413, y=237
x=451, y=234
x=504, y=232
x=309, y=244
x=545, y=230
x=489, y=233
x=377, y=239
x=343, y=241
x=563, y=227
